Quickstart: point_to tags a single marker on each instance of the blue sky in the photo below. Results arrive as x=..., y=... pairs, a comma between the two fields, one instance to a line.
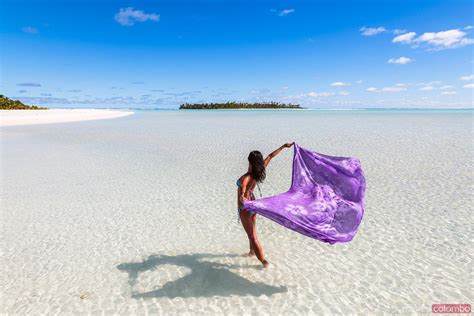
x=159, y=54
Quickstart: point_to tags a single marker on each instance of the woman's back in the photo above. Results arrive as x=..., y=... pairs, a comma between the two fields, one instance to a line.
x=249, y=187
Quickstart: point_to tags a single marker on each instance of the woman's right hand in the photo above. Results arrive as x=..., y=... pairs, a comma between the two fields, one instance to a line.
x=288, y=145
x=241, y=201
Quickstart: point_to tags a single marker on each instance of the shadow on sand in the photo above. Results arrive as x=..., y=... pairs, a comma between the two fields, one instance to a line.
x=206, y=279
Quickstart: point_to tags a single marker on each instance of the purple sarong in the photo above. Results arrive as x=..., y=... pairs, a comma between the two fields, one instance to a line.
x=325, y=201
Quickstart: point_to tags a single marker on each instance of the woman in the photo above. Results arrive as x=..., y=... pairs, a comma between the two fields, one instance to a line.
x=246, y=184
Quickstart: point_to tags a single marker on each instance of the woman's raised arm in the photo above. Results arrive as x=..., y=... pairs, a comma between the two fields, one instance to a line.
x=276, y=152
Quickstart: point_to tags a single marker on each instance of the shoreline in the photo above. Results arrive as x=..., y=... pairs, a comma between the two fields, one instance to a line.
x=52, y=116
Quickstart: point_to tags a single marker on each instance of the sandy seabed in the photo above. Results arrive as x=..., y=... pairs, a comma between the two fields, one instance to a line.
x=138, y=215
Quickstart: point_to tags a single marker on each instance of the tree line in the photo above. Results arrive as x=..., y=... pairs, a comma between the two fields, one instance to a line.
x=238, y=105
x=9, y=104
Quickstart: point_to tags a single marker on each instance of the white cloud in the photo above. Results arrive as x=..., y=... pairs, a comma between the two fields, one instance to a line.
x=427, y=88
x=393, y=89
x=469, y=27
x=436, y=40
x=448, y=92
x=467, y=78
x=400, y=61
x=340, y=84
x=319, y=94
x=30, y=30
x=397, y=88
x=397, y=31
x=404, y=38
x=29, y=84
x=285, y=12
x=446, y=39
x=469, y=86
x=343, y=92
x=359, y=81
x=371, y=31
x=128, y=16
x=431, y=83
x=445, y=87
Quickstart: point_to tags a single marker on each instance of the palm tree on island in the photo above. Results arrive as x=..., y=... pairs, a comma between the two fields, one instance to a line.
x=238, y=105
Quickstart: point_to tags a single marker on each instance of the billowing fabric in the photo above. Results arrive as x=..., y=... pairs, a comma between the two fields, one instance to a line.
x=325, y=201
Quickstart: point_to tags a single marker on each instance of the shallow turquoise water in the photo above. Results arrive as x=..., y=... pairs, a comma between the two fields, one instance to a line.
x=138, y=214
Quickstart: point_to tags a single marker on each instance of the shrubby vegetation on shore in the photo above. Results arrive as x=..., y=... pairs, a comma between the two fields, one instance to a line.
x=238, y=105
x=9, y=104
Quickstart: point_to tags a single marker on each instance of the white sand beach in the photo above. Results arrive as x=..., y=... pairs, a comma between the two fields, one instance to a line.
x=138, y=215
x=30, y=117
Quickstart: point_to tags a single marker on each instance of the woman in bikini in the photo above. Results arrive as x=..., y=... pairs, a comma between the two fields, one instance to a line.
x=246, y=184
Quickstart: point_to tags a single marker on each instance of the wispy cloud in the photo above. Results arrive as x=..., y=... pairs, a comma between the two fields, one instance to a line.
x=371, y=31
x=454, y=38
x=285, y=12
x=46, y=94
x=400, y=60
x=467, y=78
x=138, y=82
x=404, y=38
x=427, y=88
x=28, y=84
x=30, y=30
x=44, y=100
x=469, y=86
x=398, y=31
x=340, y=84
x=128, y=16
x=319, y=94
x=74, y=90
x=396, y=88
x=449, y=92
x=184, y=93
x=116, y=101
x=429, y=83
x=22, y=91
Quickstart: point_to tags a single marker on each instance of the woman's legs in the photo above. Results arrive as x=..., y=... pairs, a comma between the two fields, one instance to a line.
x=248, y=223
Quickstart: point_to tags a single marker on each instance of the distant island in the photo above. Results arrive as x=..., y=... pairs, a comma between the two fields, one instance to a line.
x=9, y=104
x=238, y=105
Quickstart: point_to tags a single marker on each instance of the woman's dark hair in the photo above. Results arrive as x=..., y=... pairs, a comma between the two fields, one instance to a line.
x=258, y=169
